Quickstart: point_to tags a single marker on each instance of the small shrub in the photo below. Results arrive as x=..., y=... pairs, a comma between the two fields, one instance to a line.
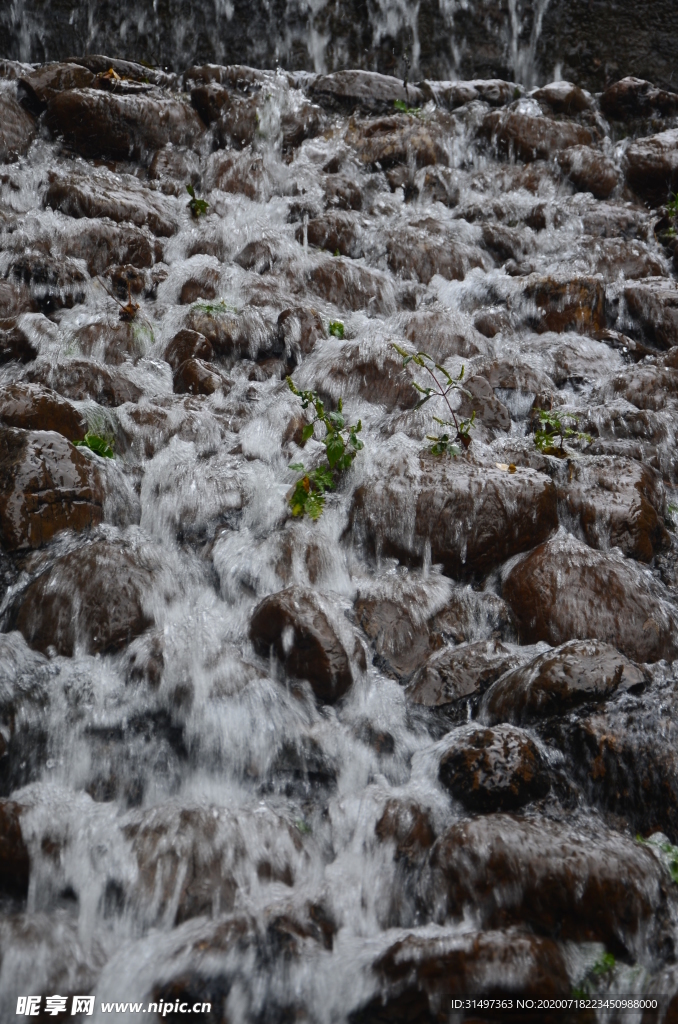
x=342, y=444
x=552, y=428
x=443, y=385
x=403, y=108
x=198, y=207
x=336, y=328
x=102, y=446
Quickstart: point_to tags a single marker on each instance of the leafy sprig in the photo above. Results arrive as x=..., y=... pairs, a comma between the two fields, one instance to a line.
x=342, y=444
x=198, y=207
x=552, y=428
x=102, y=446
x=443, y=385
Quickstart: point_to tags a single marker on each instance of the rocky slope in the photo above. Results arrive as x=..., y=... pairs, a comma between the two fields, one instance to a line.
x=421, y=747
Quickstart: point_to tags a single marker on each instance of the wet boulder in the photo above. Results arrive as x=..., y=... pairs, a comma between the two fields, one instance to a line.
x=40, y=86
x=129, y=71
x=408, y=826
x=401, y=642
x=348, y=285
x=119, y=197
x=419, y=254
x=121, y=127
x=110, y=341
x=101, y=243
x=338, y=231
x=564, y=98
x=589, y=170
x=395, y=140
x=628, y=259
x=15, y=345
x=196, y=377
x=651, y=166
x=528, y=137
x=294, y=624
x=299, y=328
x=471, y=615
x=481, y=400
x=618, y=502
x=372, y=371
x=366, y=89
x=33, y=407
x=450, y=95
x=17, y=129
x=248, y=334
x=585, y=885
x=564, y=590
x=454, y=674
x=187, y=344
x=578, y=672
x=473, y=516
x=442, y=334
x=14, y=861
x=632, y=98
x=92, y=599
x=53, y=282
x=499, y=769
x=80, y=379
x=342, y=193
x=654, y=304
x=419, y=974
x=47, y=486
x=562, y=303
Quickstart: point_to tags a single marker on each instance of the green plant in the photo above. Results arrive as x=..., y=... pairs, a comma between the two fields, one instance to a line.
x=670, y=854
x=214, y=308
x=552, y=428
x=198, y=207
x=96, y=443
x=336, y=328
x=672, y=516
x=443, y=385
x=605, y=964
x=403, y=108
x=342, y=444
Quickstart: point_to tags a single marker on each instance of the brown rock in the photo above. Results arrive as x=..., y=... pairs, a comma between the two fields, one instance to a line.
x=32, y=407
x=110, y=342
x=528, y=137
x=203, y=287
x=564, y=98
x=338, y=231
x=407, y=825
x=366, y=89
x=248, y=334
x=474, y=517
x=647, y=386
x=586, y=886
x=564, y=590
x=102, y=124
x=79, y=379
x=616, y=257
x=352, y=286
x=47, y=486
x=651, y=166
x=655, y=305
x=242, y=173
x=376, y=373
x=342, y=192
x=442, y=334
x=196, y=377
x=579, y=672
x=17, y=129
x=483, y=402
x=589, y=170
x=294, y=624
x=507, y=243
x=497, y=769
x=14, y=342
x=419, y=255
x=299, y=328
x=440, y=186
x=91, y=599
x=471, y=615
x=398, y=139
x=100, y=63
x=633, y=97
x=258, y=256
x=619, y=503
x=400, y=643
x=455, y=673
x=14, y=861
x=53, y=283
x=121, y=198
x=564, y=303
x=37, y=89
x=187, y=344
x=103, y=244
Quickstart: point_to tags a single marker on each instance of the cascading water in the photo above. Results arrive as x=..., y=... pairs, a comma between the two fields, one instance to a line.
x=352, y=768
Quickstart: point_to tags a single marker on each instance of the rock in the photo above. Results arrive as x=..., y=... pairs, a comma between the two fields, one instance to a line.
x=204, y=286
x=99, y=64
x=187, y=344
x=338, y=231
x=398, y=139
x=353, y=286
x=300, y=122
x=299, y=329
x=53, y=283
x=474, y=615
x=563, y=303
x=196, y=377
x=440, y=186
x=401, y=643
x=408, y=826
x=294, y=624
x=564, y=590
x=103, y=244
x=564, y=98
x=14, y=342
x=365, y=89
x=119, y=197
x=39, y=87
x=101, y=124
x=457, y=673
x=375, y=372
x=457, y=94
x=32, y=407
x=342, y=193
x=80, y=379
x=47, y=486
x=631, y=98
x=646, y=386
x=474, y=517
x=258, y=256
x=482, y=401
x=651, y=166
x=583, y=885
x=442, y=334
x=507, y=243
x=419, y=255
x=528, y=137
x=248, y=334
x=589, y=170
x=92, y=599
x=578, y=672
x=17, y=129
x=243, y=173
x=654, y=304
x=110, y=342
x=14, y=861
x=619, y=503
x=420, y=974
x=497, y=769
x=615, y=258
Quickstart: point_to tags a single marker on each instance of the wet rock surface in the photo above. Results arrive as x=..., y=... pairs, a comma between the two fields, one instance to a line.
x=351, y=766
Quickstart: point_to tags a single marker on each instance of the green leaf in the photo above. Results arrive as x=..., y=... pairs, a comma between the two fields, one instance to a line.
x=191, y=191
x=337, y=420
x=336, y=327
x=306, y=433
x=101, y=446
x=298, y=467
x=334, y=444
